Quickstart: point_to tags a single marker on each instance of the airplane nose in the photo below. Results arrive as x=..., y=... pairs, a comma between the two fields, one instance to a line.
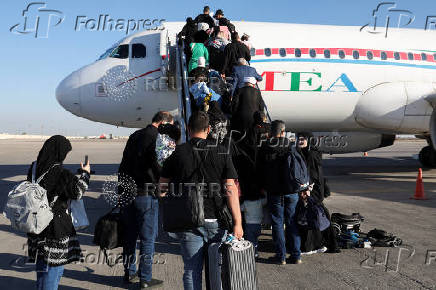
x=68, y=93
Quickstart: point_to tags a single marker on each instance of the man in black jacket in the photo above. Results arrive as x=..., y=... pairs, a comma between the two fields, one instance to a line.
x=271, y=173
x=232, y=53
x=205, y=17
x=141, y=216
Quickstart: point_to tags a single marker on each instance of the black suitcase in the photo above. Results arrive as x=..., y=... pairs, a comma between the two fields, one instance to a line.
x=342, y=223
x=232, y=266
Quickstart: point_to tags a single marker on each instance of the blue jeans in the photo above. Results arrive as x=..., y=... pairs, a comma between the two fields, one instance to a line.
x=48, y=277
x=253, y=213
x=252, y=233
x=141, y=219
x=282, y=210
x=194, y=246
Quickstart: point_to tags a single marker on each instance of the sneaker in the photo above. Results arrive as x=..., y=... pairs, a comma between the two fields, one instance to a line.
x=152, y=284
x=277, y=260
x=322, y=250
x=296, y=261
x=130, y=279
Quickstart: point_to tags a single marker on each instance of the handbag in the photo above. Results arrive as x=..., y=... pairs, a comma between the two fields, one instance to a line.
x=108, y=233
x=78, y=214
x=184, y=211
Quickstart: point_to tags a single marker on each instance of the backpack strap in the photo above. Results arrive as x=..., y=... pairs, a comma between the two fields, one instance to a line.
x=33, y=171
x=42, y=176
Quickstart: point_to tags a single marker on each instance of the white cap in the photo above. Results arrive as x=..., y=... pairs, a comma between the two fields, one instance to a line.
x=250, y=80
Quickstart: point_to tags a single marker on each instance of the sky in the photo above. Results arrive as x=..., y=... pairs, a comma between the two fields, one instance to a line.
x=31, y=68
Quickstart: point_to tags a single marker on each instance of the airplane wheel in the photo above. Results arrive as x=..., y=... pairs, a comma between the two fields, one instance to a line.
x=427, y=157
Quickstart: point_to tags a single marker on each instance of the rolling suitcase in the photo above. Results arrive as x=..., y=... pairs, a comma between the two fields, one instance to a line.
x=232, y=266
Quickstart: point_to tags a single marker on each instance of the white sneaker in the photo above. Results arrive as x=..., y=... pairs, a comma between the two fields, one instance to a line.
x=322, y=250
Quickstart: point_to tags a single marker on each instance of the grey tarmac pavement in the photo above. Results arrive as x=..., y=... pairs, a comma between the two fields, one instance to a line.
x=377, y=186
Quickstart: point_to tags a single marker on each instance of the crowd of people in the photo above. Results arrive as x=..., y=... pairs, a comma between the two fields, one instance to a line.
x=231, y=144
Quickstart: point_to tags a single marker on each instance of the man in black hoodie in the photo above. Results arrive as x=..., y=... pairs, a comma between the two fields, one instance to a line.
x=271, y=173
x=205, y=17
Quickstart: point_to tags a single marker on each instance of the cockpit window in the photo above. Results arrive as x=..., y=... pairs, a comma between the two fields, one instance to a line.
x=109, y=51
x=138, y=50
x=121, y=51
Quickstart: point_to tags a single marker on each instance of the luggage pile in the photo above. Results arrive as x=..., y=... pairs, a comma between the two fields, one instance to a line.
x=347, y=231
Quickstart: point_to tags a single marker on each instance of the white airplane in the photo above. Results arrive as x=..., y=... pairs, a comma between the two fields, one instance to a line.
x=355, y=89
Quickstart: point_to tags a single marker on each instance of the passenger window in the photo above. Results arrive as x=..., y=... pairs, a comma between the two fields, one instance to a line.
x=369, y=55
x=341, y=54
x=410, y=56
x=312, y=53
x=121, y=51
x=356, y=54
x=253, y=52
x=268, y=51
x=138, y=50
x=327, y=53
x=282, y=52
x=397, y=55
x=423, y=56
x=297, y=52
x=384, y=55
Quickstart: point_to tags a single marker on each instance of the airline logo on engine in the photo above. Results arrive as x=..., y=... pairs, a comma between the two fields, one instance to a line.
x=304, y=82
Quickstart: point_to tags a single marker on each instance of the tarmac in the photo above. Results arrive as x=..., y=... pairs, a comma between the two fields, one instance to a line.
x=378, y=186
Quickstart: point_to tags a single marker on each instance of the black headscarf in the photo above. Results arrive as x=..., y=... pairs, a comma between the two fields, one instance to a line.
x=201, y=36
x=54, y=150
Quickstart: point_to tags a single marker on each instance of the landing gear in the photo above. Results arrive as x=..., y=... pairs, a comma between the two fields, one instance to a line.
x=427, y=157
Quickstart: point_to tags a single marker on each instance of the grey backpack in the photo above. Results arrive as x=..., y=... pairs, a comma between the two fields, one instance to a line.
x=27, y=206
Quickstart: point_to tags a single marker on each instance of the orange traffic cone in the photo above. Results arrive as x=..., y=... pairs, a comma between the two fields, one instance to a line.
x=419, y=192
x=365, y=154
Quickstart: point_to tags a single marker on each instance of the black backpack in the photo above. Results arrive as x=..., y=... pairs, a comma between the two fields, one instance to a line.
x=108, y=233
x=297, y=175
x=185, y=210
x=380, y=238
x=342, y=223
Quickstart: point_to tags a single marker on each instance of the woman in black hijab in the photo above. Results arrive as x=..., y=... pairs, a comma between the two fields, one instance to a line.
x=314, y=240
x=57, y=245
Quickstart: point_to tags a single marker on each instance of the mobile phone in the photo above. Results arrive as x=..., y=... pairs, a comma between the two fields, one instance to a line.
x=86, y=160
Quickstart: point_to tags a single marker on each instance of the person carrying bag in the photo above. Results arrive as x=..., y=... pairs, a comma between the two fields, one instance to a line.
x=190, y=208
